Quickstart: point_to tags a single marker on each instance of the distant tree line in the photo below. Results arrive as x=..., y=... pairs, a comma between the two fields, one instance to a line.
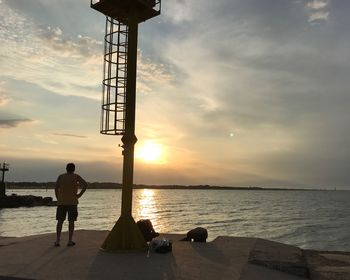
x=109, y=185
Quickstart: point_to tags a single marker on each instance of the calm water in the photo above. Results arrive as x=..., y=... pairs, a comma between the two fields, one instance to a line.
x=309, y=219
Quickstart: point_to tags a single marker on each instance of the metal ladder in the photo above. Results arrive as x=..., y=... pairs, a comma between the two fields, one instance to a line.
x=114, y=78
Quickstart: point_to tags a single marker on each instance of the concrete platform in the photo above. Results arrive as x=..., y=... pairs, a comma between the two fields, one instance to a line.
x=234, y=258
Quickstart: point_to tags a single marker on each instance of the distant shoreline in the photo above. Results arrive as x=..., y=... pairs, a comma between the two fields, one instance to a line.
x=108, y=185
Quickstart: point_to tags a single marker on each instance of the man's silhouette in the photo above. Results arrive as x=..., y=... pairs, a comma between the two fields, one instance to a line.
x=67, y=195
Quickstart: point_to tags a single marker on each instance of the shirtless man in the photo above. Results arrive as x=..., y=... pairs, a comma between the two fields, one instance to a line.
x=67, y=195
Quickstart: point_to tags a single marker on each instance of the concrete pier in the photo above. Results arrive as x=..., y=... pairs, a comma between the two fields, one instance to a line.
x=233, y=258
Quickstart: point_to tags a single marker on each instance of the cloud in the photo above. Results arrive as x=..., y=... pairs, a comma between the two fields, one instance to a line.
x=318, y=10
x=152, y=75
x=317, y=4
x=47, y=50
x=4, y=98
x=78, y=47
x=75, y=60
x=284, y=98
x=318, y=16
x=178, y=11
x=69, y=135
x=11, y=123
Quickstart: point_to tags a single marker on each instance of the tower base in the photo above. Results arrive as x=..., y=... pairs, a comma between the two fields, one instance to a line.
x=2, y=189
x=125, y=236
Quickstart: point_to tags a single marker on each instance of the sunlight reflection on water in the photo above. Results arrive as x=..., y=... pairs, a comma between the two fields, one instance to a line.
x=145, y=206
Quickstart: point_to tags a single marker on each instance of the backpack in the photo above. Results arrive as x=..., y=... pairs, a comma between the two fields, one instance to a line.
x=161, y=246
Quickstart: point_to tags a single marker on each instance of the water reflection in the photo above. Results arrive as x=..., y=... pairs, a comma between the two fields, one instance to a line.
x=146, y=206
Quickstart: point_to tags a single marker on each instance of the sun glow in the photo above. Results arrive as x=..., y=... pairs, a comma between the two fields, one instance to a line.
x=150, y=152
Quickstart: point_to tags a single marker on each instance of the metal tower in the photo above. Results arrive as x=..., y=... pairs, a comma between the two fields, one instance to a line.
x=118, y=101
x=3, y=168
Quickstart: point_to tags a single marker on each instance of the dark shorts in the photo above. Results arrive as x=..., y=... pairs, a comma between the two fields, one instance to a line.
x=62, y=210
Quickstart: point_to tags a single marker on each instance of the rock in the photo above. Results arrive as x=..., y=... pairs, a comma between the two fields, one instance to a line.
x=328, y=265
x=279, y=256
x=14, y=201
x=47, y=200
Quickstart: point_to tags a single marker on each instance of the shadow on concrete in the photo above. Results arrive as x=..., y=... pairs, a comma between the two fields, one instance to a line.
x=133, y=265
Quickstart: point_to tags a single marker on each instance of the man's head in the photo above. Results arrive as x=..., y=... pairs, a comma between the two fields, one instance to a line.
x=70, y=167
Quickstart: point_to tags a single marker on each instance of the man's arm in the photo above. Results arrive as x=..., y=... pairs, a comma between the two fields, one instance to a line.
x=82, y=185
x=57, y=186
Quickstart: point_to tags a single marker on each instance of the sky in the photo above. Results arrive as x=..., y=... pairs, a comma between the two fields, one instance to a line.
x=229, y=93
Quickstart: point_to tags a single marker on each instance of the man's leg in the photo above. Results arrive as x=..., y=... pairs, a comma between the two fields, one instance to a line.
x=71, y=231
x=60, y=217
x=72, y=217
x=58, y=231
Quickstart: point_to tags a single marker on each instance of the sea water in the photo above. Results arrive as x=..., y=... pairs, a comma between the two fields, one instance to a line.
x=308, y=219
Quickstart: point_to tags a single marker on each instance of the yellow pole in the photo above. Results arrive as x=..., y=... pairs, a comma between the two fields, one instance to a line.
x=125, y=234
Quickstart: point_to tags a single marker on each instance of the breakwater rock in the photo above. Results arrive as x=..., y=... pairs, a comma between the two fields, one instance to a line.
x=15, y=201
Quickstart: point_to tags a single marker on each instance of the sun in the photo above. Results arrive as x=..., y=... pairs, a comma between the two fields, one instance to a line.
x=150, y=152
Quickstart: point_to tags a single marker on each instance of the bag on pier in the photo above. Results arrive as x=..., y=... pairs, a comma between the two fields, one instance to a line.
x=161, y=245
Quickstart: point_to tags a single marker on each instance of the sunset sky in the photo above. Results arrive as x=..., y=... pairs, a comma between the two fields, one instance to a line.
x=229, y=92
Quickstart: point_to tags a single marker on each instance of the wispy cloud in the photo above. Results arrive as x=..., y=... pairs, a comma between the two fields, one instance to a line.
x=318, y=10
x=78, y=47
x=69, y=135
x=315, y=16
x=11, y=123
x=4, y=98
x=76, y=61
x=33, y=53
x=317, y=4
x=178, y=11
x=151, y=75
